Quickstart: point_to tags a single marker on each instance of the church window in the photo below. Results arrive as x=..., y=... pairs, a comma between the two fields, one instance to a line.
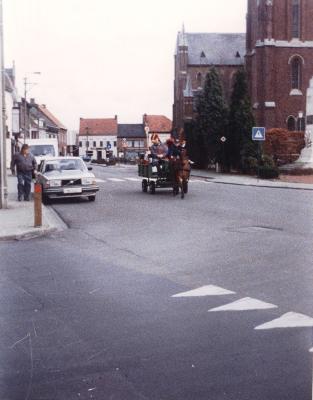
x=291, y=123
x=296, y=73
x=199, y=79
x=301, y=124
x=296, y=19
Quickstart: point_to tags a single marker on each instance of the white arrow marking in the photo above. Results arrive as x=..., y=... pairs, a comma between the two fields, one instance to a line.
x=116, y=180
x=209, y=290
x=133, y=179
x=288, y=320
x=245, y=304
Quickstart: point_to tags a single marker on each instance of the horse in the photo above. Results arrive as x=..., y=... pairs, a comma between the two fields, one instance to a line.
x=182, y=173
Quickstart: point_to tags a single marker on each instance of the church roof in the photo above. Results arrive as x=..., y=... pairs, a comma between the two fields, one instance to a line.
x=216, y=48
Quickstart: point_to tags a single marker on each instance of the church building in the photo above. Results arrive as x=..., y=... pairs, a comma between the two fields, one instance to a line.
x=277, y=52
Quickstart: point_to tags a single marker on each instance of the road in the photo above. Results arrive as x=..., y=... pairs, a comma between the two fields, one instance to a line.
x=89, y=313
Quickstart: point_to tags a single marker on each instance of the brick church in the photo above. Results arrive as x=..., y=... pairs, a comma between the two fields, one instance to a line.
x=277, y=52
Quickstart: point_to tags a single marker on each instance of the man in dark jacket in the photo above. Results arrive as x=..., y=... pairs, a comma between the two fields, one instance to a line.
x=26, y=165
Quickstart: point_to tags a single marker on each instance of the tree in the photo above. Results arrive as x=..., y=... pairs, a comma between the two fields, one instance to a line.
x=211, y=119
x=240, y=145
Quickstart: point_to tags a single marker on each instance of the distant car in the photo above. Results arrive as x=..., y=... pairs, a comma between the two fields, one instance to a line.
x=65, y=177
x=86, y=158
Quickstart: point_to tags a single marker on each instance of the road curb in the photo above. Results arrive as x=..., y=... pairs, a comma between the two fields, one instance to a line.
x=54, y=224
x=212, y=180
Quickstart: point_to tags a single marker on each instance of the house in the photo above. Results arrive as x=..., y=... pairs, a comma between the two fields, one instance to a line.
x=158, y=124
x=131, y=140
x=52, y=121
x=98, y=137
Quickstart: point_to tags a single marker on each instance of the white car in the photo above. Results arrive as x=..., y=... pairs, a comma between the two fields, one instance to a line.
x=65, y=177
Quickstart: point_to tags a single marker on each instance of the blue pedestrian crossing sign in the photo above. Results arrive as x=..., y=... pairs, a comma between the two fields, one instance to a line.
x=258, y=133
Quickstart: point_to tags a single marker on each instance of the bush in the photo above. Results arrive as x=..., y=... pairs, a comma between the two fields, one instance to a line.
x=268, y=172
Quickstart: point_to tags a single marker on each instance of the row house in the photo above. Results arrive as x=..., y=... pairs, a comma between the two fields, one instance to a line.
x=131, y=140
x=97, y=137
x=157, y=124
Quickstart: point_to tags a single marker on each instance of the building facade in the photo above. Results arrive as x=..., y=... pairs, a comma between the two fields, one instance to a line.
x=277, y=52
x=131, y=140
x=98, y=137
x=279, y=60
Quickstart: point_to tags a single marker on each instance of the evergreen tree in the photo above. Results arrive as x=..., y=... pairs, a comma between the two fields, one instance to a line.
x=240, y=145
x=211, y=120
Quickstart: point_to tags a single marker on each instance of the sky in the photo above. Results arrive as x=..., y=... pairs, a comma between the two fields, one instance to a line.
x=101, y=58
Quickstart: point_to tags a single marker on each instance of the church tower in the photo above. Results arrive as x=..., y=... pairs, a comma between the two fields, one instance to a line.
x=279, y=60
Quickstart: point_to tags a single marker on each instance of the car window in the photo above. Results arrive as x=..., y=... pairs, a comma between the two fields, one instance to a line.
x=65, y=165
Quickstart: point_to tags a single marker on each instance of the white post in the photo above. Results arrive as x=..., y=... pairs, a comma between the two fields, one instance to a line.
x=3, y=168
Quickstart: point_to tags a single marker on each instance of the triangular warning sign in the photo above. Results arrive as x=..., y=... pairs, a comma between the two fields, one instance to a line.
x=258, y=135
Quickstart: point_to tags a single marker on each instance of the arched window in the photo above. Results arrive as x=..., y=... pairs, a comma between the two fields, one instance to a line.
x=199, y=79
x=301, y=124
x=296, y=19
x=296, y=66
x=291, y=123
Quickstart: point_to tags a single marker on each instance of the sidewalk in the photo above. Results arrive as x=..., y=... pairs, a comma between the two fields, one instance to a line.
x=243, y=180
x=17, y=222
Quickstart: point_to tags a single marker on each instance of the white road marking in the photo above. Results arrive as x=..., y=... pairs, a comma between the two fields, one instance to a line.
x=116, y=180
x=99, y=180
x=288, y=320
x=311, y=350
x=209, y=290
x=133, y=179
x=245, y=304
x=197, y=181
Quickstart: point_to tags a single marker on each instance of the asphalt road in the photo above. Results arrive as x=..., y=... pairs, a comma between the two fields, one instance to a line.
x=89, y=314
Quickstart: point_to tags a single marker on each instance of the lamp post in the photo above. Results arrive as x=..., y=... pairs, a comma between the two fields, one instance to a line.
x=87, y=140
x=26, y=131
x=300, y=116
x=3, y=169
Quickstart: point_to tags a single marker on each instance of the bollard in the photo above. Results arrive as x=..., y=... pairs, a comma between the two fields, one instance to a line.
x=37, y=205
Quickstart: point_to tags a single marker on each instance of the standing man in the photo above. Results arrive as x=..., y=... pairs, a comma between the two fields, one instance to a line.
x=26, y=166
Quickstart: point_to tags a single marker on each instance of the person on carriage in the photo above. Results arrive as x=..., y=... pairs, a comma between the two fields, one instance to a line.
x=158, y=152
x=173, y=149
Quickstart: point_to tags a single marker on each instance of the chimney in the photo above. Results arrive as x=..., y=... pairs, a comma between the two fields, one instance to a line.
x=115, y=117
x=32, y=101
x=144, y=118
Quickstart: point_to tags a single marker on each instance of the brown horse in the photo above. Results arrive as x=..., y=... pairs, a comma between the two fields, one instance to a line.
x=182, y=174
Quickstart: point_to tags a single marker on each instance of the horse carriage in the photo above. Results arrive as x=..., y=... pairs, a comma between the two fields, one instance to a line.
x=173, y=174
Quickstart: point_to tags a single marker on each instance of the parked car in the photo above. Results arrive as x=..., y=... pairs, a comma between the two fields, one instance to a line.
x=65, y=177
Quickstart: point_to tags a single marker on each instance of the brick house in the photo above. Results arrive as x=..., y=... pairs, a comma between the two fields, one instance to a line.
x=158, y=124
x=98, y=137
x=277, y=51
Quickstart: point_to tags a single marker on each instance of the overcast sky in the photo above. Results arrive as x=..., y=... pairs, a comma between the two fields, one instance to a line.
x=99, y=58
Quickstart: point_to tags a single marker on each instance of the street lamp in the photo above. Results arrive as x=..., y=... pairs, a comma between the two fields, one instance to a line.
x=26, y=82
x=87, y=140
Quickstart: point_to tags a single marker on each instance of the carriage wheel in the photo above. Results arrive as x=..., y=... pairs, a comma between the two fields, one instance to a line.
x=152, y=187
x=185, y=187
x=144, y=185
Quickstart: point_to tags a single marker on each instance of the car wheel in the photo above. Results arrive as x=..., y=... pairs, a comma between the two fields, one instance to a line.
x=45, y=199
x=91, y=198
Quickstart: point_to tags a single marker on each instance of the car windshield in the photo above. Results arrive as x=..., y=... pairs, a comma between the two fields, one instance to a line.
x=65, y=165
x=42, y=150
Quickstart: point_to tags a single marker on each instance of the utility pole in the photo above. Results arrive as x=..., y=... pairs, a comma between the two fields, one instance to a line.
x=3, y=167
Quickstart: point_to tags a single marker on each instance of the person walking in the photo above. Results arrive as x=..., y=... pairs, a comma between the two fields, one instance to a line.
x=26, y=167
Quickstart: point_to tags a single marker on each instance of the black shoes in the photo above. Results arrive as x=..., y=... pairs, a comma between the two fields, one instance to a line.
x=26, y=198
x=19, y=198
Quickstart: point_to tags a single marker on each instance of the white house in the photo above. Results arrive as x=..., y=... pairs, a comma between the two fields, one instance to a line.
x=98, y=137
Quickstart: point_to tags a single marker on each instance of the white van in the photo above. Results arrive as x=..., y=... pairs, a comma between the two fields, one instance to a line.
x=42, y=149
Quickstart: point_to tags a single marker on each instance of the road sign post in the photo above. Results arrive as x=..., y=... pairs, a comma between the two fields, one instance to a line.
x=259, y=135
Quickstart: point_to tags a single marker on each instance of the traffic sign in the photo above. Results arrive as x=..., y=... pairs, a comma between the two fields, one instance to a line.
x=223, y=139
x=258, y=134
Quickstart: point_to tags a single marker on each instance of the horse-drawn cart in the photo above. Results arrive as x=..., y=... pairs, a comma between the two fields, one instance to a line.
x=164, y=174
